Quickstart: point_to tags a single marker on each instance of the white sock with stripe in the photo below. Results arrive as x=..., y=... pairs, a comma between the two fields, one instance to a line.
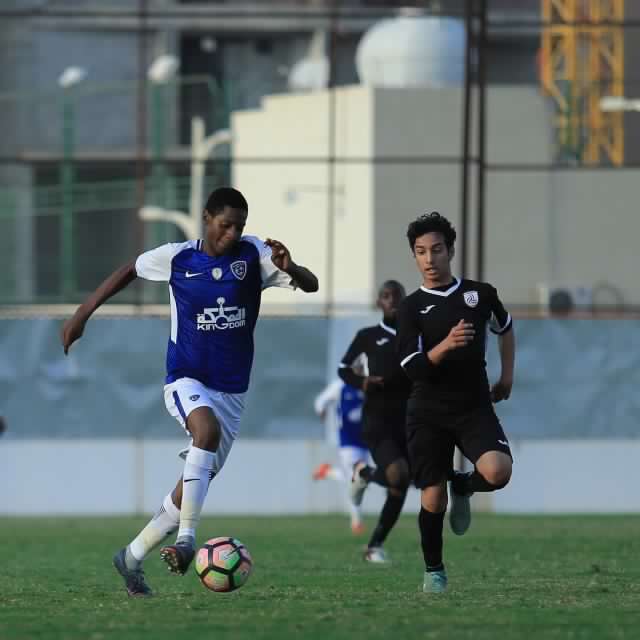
x=198, y=470
x=163, y=523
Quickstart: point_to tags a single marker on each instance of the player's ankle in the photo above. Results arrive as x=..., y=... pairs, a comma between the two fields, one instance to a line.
x=186, y=540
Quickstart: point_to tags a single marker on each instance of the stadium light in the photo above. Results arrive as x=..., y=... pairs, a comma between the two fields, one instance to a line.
x=163, y=69
x=619, y=103
x=71, y=76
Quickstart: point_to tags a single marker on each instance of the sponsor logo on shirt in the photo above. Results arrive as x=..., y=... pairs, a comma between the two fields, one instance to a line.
x=427, y=309
x=220, y=318
x=471, y=298
x=382, y=341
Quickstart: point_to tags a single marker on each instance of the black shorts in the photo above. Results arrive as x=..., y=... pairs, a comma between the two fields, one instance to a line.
x=386, y=438
x=431, y=440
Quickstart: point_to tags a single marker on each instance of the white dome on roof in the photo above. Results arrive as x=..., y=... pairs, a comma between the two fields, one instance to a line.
x=407, y=51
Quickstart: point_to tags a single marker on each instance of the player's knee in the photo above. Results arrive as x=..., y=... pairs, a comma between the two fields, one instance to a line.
x=398, y=477
x=498, y=476
x=434, y=499
x=207, y=437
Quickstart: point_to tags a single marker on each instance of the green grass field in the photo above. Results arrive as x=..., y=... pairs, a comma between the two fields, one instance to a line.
x=510, y=577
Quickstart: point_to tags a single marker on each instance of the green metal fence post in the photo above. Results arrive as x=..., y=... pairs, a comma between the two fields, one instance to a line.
x=66, y=184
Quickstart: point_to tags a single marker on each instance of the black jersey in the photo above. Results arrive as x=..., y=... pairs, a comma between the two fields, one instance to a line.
x=459, y=383
x=377, y=346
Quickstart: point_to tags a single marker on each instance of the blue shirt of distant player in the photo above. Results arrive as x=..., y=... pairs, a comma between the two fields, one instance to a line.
x=215, y=302
x=349, y=410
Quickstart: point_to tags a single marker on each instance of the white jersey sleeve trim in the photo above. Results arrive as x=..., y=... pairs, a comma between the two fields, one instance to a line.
x=495, y=327
x=409, y=357
x=174, y=316
x=270, y=274
x=156, y=264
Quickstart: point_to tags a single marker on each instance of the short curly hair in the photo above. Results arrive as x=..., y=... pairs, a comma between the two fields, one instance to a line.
x=431, y=223
x=225, y=197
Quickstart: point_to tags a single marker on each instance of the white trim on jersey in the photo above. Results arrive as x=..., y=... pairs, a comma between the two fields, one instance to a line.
x=174, y=316
x=270, y=274
x=495, y=327
x=415, y=353
x=361, y=361
x=449, y=291
x=409, y=357
x=386, y=328
x=156, y=264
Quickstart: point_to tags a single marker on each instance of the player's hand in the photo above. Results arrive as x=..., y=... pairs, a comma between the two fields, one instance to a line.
x=501, y=390
x=372, y=382
x=460, y=336
x=280, y=255
x=72, y=330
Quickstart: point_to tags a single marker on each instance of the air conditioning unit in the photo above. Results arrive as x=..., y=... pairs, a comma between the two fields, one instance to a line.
x=562, y=299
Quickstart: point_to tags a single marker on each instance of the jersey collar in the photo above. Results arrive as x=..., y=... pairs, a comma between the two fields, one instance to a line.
x=388, y=328
x=446, y=293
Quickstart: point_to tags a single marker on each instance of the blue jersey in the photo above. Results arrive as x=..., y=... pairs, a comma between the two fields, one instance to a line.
x=350, y=417
x=215, y=301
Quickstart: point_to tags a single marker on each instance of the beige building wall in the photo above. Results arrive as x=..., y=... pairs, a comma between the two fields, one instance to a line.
x=404, y=148
x=280, y=157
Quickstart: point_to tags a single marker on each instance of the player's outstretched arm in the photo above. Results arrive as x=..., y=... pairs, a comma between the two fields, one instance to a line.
x=281, y=257
x=74, y=327
x=501, y=390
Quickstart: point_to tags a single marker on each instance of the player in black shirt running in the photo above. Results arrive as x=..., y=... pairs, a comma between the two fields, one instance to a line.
x=386, y=389
x=442, y=340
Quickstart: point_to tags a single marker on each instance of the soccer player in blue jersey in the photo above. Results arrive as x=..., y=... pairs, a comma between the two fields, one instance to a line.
x=343, y=403
x=215, y=286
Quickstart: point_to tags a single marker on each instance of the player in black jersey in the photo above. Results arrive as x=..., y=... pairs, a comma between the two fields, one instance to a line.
x=441, y=341
x=386, y=389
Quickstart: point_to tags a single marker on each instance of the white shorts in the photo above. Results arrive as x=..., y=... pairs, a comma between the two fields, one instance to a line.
x=349, y=456
x=186, y=394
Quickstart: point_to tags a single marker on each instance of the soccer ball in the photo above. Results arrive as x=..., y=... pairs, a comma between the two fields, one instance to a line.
x=223, y=564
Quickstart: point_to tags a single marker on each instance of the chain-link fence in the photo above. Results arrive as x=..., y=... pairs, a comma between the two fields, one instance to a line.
x=490, y=118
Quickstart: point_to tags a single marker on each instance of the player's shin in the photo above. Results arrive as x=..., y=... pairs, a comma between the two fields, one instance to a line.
x=198, y=469
x=388, y=517
x=164, y=522
x=431, y=525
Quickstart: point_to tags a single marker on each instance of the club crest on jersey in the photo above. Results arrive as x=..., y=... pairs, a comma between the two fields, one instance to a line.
x=216, y=272
x=239, y=269
x=471, y=298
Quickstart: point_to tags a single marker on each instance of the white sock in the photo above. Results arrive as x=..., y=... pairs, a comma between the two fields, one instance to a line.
x=197, y=472
x=355, y=511
x=163, y=523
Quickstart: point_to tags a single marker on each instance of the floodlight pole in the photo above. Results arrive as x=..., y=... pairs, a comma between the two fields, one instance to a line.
x=67, y=178
x=67, y=81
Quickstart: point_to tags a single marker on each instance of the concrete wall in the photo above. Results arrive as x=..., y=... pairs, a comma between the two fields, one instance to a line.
x=125, y=476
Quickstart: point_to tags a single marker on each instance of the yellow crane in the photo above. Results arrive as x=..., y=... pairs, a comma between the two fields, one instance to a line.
x=582, y=60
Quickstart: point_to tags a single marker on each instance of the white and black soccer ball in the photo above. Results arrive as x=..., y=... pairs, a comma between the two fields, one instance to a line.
x=223, y=564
